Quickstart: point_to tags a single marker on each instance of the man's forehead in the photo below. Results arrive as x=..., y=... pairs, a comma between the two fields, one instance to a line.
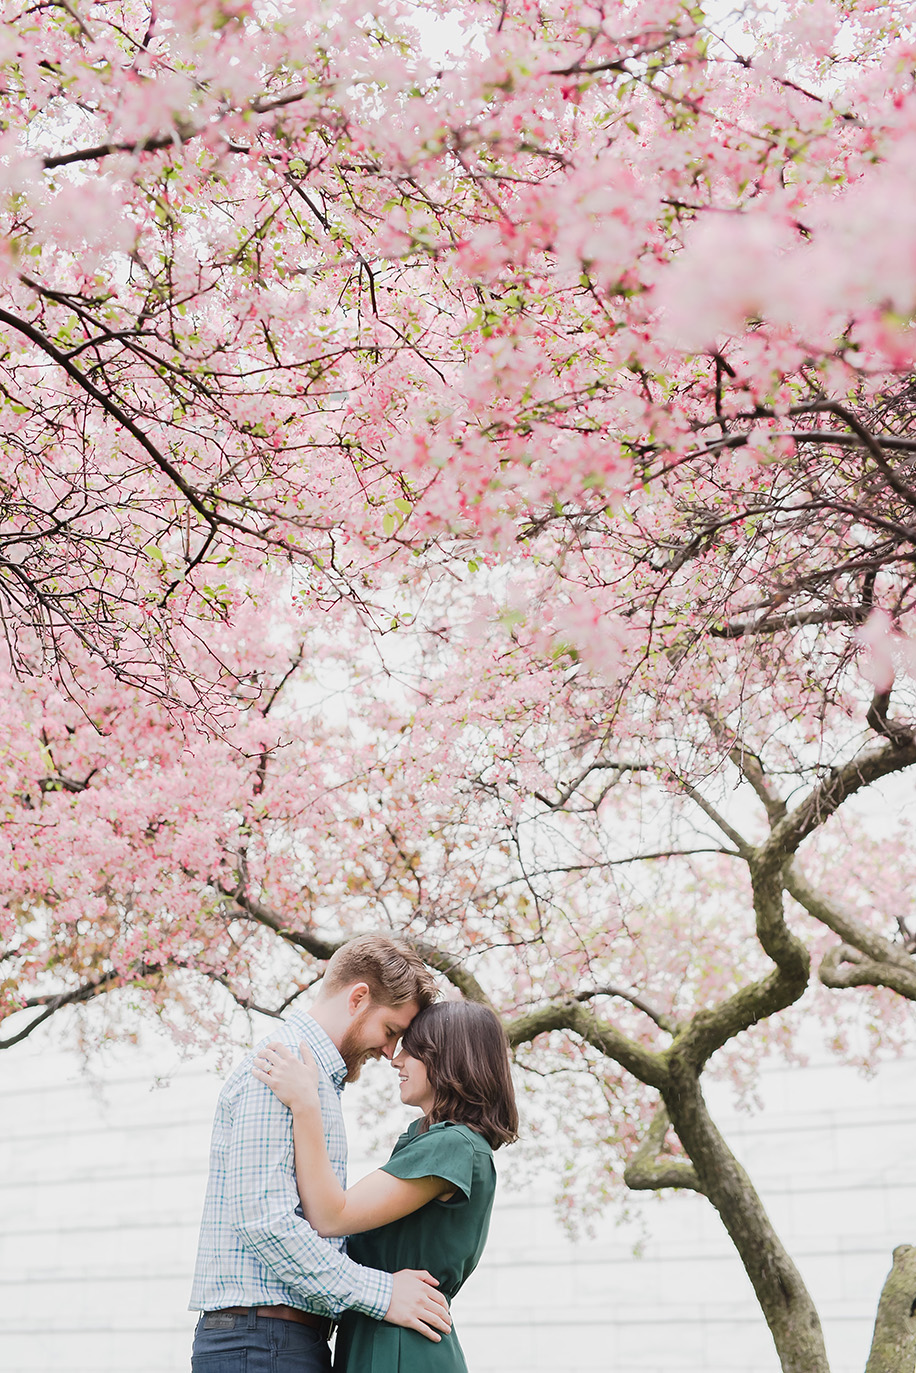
x=399, y=1017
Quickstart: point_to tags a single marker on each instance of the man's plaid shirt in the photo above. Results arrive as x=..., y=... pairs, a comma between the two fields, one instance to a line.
x=255, y=1247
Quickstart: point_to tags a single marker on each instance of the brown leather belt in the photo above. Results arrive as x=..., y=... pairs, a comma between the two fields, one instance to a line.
x=286, y=1313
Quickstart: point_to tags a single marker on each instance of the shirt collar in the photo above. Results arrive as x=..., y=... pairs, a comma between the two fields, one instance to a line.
x=326, y=1052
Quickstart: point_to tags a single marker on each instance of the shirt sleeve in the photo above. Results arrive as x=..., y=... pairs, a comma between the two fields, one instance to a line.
x=444, y=1151
x=263, y=1200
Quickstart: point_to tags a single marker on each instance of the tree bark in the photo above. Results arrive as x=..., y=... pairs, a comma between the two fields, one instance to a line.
x=785, y=1301
x=893, y=1345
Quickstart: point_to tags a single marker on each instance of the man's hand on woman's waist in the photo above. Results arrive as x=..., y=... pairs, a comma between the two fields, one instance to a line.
x=417, y=1305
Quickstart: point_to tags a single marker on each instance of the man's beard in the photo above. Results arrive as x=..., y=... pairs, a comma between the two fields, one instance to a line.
x=353, y=1053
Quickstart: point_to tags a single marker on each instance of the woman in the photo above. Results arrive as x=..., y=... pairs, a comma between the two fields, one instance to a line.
x=429, y=1205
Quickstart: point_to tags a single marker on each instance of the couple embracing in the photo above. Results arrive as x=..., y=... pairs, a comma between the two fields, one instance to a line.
x=285, y=1249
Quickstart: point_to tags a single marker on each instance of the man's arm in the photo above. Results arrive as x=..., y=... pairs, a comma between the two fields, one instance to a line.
x=262, y=1197
x=330, y=1208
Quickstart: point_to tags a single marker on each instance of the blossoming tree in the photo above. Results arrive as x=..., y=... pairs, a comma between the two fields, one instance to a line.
x=278, y=284
x=640, y=868
x=546, y=402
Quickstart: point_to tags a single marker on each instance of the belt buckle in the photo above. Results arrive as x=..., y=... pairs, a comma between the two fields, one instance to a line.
x=219, y=1320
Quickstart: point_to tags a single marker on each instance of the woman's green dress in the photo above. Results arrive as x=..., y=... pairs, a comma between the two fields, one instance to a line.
x=444, y=1237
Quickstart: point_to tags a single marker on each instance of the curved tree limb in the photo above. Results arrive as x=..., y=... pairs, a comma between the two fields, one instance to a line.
x=752, y=770
x=645, y=1065
x=710, y=1028
x=49, y=1004
x=664, y=1021
x=844, y=923
x=651, y=1168
x=446, y=963
x=451, y=967
x=843, y=967
x=867, y=767
x=273, y=920
x=877, y=719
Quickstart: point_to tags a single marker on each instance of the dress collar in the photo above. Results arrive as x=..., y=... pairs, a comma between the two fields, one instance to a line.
x=326, y=1052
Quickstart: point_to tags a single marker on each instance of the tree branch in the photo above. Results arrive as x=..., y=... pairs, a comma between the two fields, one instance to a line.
x=446, y=963
x=664, y=1021
x=877, y=719
x=146, y=145
x=843, y=922
x=645, y=1065
x=651, y=1168
x=248, y=1003
x=263, y=915
x=841, y=783
x=752, y=770
x=867, y=439
x=767, y=624
x=111, y=408
x=451, y=967
x=568, y=790
x=711, y=1028
x=891, y=442
x=748, y=764
x=714, y=1026
x=106, y=983
x=843, y=967
x=743, y=847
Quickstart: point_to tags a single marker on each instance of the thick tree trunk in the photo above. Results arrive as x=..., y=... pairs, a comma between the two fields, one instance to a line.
x=893, y=1345
x=784, y=1299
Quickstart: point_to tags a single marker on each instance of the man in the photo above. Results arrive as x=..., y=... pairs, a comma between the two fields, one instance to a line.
x=268, y=1287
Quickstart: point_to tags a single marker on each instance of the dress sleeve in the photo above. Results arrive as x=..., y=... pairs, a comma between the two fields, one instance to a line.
x=444, y=1151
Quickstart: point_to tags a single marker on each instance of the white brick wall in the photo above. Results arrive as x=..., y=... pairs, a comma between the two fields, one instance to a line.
x=101, y=1184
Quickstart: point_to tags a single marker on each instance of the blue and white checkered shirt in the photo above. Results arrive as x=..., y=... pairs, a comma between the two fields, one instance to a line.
x=256, y=1249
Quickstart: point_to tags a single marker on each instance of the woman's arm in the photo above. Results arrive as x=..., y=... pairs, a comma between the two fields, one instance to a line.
x=377, y=1199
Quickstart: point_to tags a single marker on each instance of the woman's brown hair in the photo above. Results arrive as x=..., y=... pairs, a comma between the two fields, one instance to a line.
x=464, y=1050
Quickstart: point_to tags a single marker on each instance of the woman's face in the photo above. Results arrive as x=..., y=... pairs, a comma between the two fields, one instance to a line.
x=416, y=1089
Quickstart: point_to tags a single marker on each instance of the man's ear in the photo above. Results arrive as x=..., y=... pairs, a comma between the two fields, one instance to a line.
x=358, y=998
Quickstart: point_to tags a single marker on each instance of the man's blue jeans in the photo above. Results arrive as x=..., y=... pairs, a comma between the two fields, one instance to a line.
x=226, y=1343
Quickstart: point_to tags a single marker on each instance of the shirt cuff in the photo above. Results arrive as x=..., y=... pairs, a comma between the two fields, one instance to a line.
x=376, y=1297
